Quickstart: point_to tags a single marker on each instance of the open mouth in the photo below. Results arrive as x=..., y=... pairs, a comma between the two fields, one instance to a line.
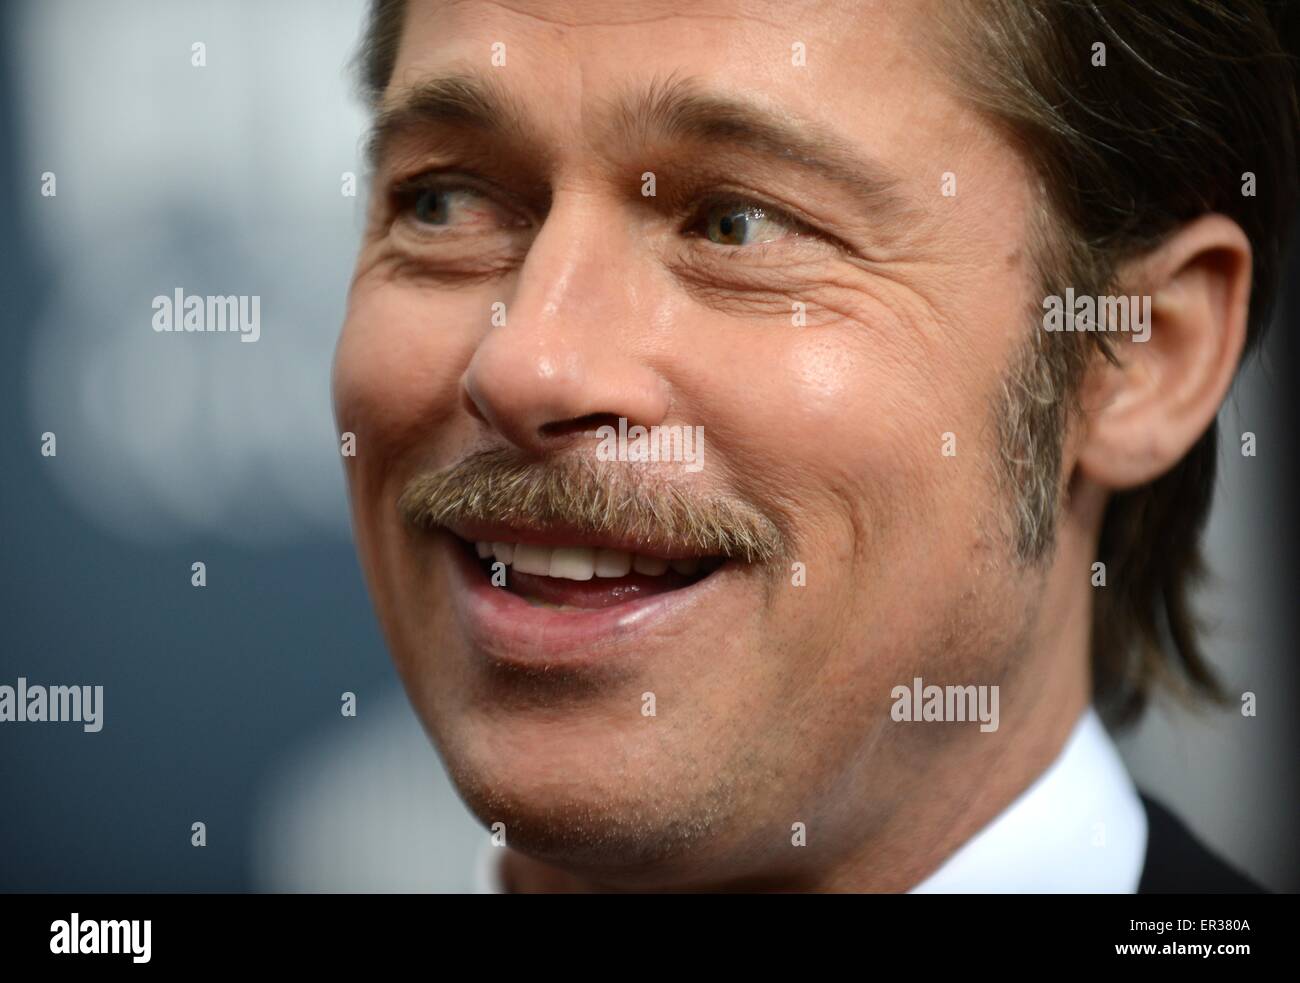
x=585, y=577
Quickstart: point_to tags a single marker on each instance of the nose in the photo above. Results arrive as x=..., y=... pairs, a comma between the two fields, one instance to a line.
x=571, y=354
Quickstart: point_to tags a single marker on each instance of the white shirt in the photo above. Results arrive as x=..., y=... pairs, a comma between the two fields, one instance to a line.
x=1080, y=827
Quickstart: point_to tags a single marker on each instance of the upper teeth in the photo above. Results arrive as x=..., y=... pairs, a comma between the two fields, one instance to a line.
x=581, y=562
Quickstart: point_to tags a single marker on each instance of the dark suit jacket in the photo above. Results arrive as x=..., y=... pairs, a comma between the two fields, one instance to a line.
x=1178, y=863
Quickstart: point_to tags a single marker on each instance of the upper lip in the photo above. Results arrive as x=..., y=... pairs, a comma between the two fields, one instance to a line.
x=557, y=534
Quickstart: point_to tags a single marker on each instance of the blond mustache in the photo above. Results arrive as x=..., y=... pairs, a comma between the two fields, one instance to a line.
x=576, y=494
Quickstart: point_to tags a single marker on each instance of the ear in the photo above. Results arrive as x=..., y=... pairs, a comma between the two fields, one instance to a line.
x=1145, y=414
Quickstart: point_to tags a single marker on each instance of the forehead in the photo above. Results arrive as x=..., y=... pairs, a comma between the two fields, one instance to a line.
x=856, y=68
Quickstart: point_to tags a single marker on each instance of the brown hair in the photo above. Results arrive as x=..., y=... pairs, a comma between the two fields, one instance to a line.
x=1193, y=95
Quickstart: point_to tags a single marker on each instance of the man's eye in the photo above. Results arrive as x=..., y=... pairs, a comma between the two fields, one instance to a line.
x=449, y=206
x=744, y=224
x=432, y=207
x=437, y=207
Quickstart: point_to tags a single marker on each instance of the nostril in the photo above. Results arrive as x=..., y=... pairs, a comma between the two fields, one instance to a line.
x=578, y=425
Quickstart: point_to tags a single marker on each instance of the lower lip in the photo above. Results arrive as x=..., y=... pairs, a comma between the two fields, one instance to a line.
x=509, y=630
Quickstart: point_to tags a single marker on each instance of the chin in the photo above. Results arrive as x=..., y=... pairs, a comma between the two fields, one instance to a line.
x=585, y=793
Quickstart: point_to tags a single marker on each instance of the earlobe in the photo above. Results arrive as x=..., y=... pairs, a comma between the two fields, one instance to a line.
x=1144, y=414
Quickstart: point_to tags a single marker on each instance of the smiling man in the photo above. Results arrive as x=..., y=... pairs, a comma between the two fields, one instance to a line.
x=858, y=647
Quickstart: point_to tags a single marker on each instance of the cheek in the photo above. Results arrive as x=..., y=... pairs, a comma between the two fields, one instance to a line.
x=398, y=366
x=841, y=426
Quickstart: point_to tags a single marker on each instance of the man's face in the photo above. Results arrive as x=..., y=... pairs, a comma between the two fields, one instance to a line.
x=828, y=346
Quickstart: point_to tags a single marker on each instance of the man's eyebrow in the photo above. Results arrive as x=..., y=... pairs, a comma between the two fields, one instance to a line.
x=681, y=109
x=674, y=109
x=466, y=101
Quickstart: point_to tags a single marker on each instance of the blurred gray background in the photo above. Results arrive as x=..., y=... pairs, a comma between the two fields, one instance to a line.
x=222, y=704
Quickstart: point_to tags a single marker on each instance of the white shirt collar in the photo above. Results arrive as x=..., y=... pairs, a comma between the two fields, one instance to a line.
x=1080, y=827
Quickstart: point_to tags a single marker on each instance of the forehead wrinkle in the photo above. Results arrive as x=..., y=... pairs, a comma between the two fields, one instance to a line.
x=681, y=109
x=463, y=100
